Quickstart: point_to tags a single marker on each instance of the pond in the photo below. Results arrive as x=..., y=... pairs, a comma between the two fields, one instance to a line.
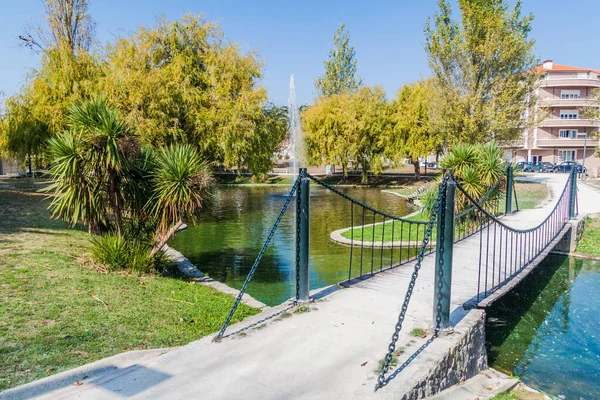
x=229, y=236
x=547, y=331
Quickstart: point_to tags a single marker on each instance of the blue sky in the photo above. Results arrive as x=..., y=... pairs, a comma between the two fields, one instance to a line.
x=295, y=36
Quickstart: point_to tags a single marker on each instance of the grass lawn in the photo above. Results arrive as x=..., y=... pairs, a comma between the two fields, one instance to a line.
x=590, y=238
x=518, y=394
x=530, y=194
x=57, y=311
x=402, y=231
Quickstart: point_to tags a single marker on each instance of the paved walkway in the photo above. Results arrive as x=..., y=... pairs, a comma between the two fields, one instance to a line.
x=330, y=352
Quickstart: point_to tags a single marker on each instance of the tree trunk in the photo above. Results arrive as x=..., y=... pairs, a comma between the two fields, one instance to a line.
x=114, y=199
x=417, y=169
x=29, y=164
x=161, y=241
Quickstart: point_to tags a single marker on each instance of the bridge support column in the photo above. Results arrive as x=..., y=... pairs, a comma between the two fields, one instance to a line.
x=573, y=194
x=443, y=260
x=509, y=189
x=303, y=239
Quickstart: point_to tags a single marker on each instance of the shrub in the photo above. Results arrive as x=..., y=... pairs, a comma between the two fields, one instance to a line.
x=120, y=253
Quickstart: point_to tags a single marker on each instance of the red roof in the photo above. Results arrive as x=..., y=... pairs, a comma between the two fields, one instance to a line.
x=563, y=68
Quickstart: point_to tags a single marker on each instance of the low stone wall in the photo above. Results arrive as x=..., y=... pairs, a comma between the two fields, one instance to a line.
x=569, y=242
x=457, y=357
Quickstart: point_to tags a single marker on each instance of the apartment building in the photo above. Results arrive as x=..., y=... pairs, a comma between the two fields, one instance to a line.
x=564, y=133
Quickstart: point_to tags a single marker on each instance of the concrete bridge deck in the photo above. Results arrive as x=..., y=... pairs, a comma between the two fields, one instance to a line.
x=331, y=352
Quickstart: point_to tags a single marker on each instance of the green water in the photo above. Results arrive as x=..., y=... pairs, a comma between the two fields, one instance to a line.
x=547, y=331
x=228, y=237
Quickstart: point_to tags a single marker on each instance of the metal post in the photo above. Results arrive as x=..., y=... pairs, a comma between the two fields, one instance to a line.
x=302, y=272
x=509, y=189
x=443, y=259
x=584, y=155
x=573, y=193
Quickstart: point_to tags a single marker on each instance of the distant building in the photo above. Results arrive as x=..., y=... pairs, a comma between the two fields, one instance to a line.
x=563, y=92
x=10, y=167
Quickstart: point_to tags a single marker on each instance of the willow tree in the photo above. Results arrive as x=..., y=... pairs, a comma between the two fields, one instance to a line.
x=183, y=82
x=413, y=135
x=482, y=64
x=340, y=68
x=348, y=129
x=22, y=134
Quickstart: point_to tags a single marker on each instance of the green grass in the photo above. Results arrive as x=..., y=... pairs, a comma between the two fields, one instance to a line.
x=57, y=311
x=530, y=195
x=518, y=394
x=402, y=231
x=590, y=238
x=418, y=332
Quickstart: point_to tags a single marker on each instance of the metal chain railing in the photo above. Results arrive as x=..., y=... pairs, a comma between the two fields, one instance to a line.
x=298, y=210
x=381, y=381
x=258, y=259
x=361, y=204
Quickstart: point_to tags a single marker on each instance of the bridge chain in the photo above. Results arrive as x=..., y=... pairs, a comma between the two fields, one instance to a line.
x=381, y=379
x=288, y=199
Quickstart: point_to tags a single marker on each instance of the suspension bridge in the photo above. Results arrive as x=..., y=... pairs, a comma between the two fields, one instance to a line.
x=354, y=340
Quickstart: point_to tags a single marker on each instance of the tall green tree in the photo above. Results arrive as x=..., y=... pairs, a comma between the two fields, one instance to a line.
x=183, y=82
x=22, y=134
x=414, y=135
x=348, y=129
x=483, y=67
x=340, y=68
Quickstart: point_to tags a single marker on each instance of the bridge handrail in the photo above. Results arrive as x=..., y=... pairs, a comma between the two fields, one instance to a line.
x=510, y=228
x=361, y=204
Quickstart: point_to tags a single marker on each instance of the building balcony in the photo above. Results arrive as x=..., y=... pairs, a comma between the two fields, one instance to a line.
x=568, y=123
x=569, y=82
x=567, y=142
x=558, y=102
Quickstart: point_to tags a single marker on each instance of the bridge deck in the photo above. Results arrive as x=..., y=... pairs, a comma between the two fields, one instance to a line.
x=329, y=353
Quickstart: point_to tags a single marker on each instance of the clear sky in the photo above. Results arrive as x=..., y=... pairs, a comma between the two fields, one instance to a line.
x=295, y=36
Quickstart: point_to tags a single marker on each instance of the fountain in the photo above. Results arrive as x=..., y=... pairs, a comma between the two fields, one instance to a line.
x=297, y=145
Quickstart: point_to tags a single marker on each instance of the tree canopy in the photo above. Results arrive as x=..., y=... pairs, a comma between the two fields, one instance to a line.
x=483, y=67
x=414, y=134
x=178, y=82
x=348, y=129
x=340, y=68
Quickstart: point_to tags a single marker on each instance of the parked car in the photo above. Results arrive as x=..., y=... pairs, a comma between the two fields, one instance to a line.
x=543, y=166
x=567, y=166
x=525, y=166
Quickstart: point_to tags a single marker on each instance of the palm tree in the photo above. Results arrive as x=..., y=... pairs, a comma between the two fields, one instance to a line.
x=102, y=177
x=181, y=181
x=476, y=167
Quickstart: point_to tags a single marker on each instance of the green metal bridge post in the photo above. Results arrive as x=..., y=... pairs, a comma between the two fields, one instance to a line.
x=443, y=259
x=509, y=189
x=303, y=228
x=573, y=194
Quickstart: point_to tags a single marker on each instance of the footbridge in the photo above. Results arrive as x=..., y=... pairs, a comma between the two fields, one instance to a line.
x=405, y=323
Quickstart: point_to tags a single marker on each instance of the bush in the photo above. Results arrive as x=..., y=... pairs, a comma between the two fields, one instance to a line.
x=119, y=253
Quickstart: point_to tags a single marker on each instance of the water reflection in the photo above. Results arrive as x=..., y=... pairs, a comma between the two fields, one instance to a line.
x=547, y=331
x=228, y=237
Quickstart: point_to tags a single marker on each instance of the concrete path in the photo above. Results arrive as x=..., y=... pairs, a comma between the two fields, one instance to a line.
x=329, y=352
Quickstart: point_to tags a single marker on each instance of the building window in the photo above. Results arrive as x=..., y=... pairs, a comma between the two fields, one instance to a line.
x=569, y=114
x=567, y=155
x=570, y=94
x=567, y=133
